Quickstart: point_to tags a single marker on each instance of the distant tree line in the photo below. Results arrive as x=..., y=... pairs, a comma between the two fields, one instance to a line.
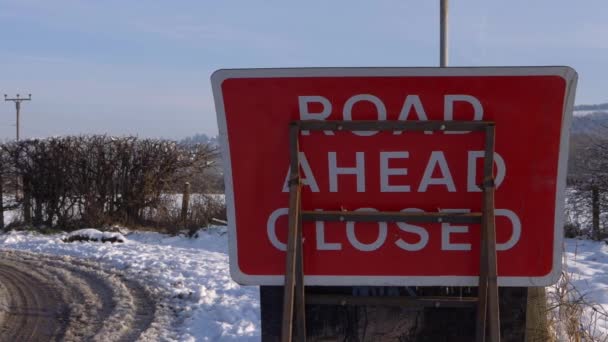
x=91, y=181
x=199, y=138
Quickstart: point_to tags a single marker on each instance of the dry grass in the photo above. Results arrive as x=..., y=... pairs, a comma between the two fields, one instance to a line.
x=570, y=315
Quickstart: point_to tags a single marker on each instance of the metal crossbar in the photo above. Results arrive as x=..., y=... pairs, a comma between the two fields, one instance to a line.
x=390, y=216
x=294, y=300
x=369, y=125
x=420, y=302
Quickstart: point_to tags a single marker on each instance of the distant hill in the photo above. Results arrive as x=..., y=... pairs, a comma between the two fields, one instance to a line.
x=593, y=107
x=587, y=119
x=589, y=122
x=590, y=119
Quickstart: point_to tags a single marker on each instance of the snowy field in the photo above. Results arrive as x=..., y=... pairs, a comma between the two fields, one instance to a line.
x=585, y=112
x=191, y=276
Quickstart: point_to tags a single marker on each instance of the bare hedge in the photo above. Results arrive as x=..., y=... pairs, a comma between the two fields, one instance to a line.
x=91, y=181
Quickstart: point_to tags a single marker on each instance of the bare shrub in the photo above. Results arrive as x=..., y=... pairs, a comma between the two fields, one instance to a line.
x=203, y=209
x=72, y=182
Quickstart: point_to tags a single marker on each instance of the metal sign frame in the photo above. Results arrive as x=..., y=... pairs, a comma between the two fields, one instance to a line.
x=295, y=300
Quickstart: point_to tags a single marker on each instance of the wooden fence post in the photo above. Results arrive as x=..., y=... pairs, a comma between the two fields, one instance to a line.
x=537, y=324
x=185, y=203
x=1, y=204
x=27, y=201
x=595, y=212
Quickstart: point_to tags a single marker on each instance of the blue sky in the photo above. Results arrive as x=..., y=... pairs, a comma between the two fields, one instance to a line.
x=143, y=67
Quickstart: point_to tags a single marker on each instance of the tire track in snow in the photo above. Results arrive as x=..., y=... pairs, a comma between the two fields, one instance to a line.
x=61, y=298
x=27, y=297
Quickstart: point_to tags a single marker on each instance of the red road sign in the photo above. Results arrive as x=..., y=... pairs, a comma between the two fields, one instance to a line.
x=394, y=171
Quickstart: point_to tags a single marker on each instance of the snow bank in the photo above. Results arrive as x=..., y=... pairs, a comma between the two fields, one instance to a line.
x=91, y=234
x=191, y=275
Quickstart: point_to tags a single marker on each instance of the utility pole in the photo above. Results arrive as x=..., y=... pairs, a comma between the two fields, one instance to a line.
x=443, y=33
x=18, y=101
x=27, y=205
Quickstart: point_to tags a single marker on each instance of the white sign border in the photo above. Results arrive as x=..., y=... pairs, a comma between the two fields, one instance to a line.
x=568, y=74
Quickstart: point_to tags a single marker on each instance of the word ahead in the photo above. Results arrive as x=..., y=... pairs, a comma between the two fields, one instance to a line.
x=406, y=171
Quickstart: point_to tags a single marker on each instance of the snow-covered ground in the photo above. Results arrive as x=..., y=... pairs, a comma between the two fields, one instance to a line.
x=191, y=275
x=585, y=112
x=587, y=270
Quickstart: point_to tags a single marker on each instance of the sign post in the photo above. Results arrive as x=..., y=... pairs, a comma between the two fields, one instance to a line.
x=443, y=33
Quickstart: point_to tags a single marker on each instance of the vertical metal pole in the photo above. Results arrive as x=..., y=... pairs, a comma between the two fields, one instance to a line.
x=18, y=107
x=18, y=101
x=443, y=33
x=488, y=280
x=490, y=222
x=482, y=290
x=300, y=300
x=487, y=309
x=292, y=238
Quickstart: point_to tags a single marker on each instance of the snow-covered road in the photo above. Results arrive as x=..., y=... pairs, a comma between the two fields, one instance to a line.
x=59, y=298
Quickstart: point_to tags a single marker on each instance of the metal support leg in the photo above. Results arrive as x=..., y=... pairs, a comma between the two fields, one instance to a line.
x=293, y=265
x=488, y=320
